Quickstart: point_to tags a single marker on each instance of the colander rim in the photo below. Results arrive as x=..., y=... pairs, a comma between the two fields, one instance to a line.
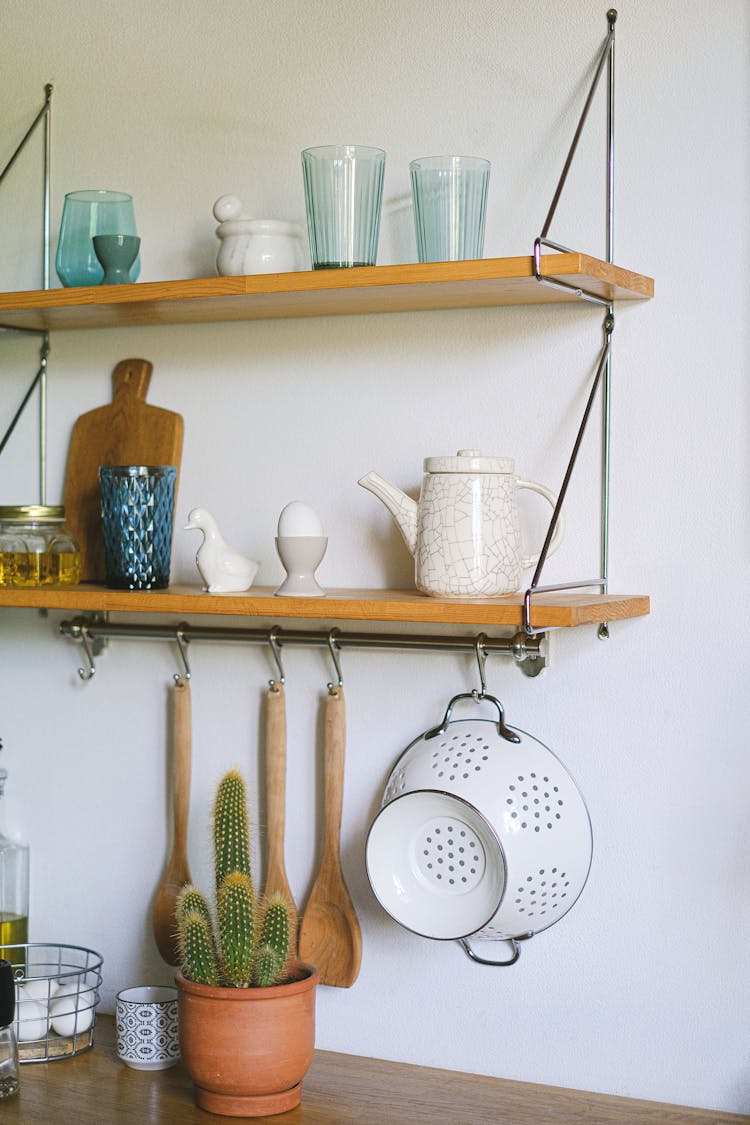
x=486, y=825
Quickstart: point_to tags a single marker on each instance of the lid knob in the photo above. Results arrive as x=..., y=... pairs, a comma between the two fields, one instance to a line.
x=469, y=453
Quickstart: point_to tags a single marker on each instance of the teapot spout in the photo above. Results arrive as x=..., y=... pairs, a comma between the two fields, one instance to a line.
x=402, y=507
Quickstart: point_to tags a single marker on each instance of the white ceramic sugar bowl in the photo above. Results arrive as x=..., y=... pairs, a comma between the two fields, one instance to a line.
x=255, y=245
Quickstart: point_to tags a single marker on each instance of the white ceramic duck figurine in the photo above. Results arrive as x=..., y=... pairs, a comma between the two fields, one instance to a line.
x=222, y=569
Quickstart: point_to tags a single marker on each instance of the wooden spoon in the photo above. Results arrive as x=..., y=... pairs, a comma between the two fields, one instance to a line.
x=330, y=937
x=177, y=872
x=276, y=878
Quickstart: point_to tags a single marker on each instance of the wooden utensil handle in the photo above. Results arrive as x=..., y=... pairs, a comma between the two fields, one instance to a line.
x=334, y=757
x=181, y=760
x=132, y=377
x=276, y=769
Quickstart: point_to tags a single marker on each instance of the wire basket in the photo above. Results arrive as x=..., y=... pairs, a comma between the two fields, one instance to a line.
x=57, y=991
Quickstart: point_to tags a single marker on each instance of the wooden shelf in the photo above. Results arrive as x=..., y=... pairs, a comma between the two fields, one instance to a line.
x=548, y=610
x=367, y=289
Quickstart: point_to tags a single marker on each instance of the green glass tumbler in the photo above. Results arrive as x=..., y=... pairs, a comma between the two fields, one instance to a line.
x=343, y=199
x=86, y=214
x=137, y=505
x=450, y=206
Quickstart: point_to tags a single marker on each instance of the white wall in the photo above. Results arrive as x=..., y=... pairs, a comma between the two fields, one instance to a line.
x=643, y=989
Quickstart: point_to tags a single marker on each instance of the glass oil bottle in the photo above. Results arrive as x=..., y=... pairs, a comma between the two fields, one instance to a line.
x=14, y=888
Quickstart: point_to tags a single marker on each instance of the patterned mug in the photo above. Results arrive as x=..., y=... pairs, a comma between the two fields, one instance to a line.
x=148, y=1036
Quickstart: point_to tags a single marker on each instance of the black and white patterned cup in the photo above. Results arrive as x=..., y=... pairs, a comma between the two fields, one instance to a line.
x=148, y=1035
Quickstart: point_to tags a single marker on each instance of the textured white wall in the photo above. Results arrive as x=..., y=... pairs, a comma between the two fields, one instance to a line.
x=643, y=989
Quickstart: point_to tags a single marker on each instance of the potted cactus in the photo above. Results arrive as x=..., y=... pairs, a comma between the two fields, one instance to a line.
x=247, y=1008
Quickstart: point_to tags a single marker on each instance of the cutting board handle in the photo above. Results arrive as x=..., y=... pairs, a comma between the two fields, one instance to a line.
x=131, y=377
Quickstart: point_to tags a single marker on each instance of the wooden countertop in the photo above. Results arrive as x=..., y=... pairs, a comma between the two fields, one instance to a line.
x=94, y=1088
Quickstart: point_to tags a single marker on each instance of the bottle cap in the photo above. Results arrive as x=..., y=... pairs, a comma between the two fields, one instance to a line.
x=7, y=994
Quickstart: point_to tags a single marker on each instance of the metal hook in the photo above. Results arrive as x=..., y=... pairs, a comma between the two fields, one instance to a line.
x=85, y=638
x=276, y=653
x=481, y=654
x=182, y=643
x=334, y=657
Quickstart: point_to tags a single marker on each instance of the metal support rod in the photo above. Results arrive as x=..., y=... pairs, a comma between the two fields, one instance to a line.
x=609, y=324
x=44, y=352
x=520, y=646
x=42, y=113
x=47, y=169
x=40, y=378
x=603, y=631
x=611, y=17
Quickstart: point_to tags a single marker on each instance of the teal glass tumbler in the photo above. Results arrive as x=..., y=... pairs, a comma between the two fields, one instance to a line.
x=86, y=214
x=137, y=505
x=343, y=200
x=450, y=206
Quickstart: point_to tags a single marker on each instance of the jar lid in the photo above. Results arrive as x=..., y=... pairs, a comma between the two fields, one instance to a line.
x=469, y=461
x=27, y=513
x=7, y=994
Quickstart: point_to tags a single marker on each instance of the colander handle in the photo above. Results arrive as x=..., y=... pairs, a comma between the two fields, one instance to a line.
x=478, y=697
x=464, y=943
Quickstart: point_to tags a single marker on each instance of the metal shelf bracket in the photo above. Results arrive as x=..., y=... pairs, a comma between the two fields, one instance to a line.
x=604, y=367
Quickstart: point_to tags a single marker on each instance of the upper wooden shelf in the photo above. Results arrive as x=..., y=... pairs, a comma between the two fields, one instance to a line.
x=366, y=289
x=559, y=610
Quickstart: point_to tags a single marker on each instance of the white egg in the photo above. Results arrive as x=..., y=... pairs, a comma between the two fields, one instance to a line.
x=41, y=989
x=298, y=519
x=33, y=1020
x=71, y=1012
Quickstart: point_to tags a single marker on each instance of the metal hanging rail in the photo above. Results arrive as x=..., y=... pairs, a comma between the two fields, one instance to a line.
x=604, y=367
x=528, y=652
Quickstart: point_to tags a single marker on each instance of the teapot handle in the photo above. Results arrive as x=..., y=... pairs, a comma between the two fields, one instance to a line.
x=527, y=561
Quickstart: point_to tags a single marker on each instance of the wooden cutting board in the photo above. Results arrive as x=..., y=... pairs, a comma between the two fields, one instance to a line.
x=125, y=432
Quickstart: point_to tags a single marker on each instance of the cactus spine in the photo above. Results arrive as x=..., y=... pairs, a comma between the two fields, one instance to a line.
x=250, y=941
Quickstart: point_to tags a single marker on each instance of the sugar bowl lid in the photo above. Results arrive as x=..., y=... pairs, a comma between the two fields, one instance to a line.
x=469, y=461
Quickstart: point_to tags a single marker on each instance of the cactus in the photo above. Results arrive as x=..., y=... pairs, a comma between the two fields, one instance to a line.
x=248, y=946
x=231, y=828
x=235, y=915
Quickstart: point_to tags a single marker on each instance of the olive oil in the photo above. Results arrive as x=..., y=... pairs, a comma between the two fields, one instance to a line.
x=27, y=568
x=14, y=930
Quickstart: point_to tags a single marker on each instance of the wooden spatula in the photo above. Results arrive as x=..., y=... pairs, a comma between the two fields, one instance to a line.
x=177, y=873
x=330, y=937
x=276, y=878
x=125, y=432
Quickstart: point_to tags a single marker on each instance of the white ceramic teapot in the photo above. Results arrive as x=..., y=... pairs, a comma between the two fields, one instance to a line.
x=465, y=531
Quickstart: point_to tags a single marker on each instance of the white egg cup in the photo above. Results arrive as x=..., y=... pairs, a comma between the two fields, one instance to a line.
x=301, y=556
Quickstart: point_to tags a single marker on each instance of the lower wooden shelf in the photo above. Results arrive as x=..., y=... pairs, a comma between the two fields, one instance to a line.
x=558, y=610
x=96, y=1089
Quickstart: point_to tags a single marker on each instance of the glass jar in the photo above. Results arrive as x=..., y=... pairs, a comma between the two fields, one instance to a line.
x=35, y=548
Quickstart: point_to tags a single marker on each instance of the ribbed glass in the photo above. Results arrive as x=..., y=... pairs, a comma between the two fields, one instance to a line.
x=86, y=213
x=137, y=503
x=450, y=206
x=343, y=199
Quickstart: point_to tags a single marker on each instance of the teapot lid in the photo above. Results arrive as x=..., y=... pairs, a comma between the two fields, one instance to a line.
x=469, y=461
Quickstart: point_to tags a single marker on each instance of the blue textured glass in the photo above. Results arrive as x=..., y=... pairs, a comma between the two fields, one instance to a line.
x=450, y=206
x=137, y=504
x=86, y=213
x=343, y=197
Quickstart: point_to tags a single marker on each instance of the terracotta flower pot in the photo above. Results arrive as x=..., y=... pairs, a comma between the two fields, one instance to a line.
x=248, y=1049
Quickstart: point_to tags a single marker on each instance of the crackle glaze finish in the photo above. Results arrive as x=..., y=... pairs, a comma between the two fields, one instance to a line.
x=465, y=532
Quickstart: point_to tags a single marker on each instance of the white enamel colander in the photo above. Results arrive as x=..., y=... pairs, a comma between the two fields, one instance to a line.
x=482, y=833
